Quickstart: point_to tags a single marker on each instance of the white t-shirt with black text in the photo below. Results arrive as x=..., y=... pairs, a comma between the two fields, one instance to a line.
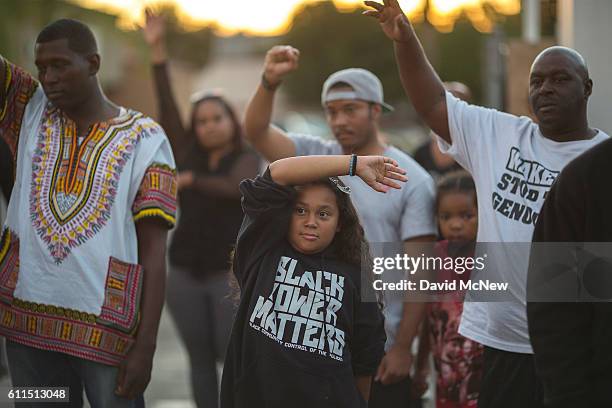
x=513, y=166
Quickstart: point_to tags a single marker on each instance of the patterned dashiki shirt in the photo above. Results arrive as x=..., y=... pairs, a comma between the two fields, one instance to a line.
x=69, y=275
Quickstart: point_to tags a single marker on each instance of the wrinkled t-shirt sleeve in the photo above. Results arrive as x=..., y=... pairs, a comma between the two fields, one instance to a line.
x=473, y=130
x=418, y=210
x=306, y=145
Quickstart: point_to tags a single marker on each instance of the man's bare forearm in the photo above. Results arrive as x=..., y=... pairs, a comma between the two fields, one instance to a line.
x=412, y=316
x=419, y=79
x=413, y=311
x=152, y=254
x=258, y=114
x=422, y=85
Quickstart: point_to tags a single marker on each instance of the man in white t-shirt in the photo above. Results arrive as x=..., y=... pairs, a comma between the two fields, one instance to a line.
x=513, y=161
x=353, y=103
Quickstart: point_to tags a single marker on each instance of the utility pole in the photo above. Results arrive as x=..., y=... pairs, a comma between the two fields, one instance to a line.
x=531, y=21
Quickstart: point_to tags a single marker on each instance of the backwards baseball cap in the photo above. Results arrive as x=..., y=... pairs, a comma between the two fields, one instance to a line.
x=366, y=87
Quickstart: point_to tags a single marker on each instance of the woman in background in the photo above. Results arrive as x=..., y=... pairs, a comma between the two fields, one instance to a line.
x=212, y=161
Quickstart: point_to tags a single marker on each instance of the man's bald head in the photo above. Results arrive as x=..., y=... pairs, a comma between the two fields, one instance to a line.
x=573, y=56
x=559, y=90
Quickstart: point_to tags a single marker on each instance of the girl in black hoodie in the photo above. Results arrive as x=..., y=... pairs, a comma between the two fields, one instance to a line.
x=303, y=336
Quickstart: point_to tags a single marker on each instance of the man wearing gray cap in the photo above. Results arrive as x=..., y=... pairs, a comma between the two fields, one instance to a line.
x=362, y=85
x=353, y=103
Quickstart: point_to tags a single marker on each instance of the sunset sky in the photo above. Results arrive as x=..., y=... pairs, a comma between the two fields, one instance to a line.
x=272, y=17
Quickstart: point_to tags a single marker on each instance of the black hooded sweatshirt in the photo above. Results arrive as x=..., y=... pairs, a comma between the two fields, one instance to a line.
x=572, y=341
x=301, y=332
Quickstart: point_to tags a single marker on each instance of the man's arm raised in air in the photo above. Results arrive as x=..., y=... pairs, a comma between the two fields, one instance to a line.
x=270, y=141
x=420, y=80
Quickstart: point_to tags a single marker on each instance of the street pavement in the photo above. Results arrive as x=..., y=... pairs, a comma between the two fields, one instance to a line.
x=169, y=386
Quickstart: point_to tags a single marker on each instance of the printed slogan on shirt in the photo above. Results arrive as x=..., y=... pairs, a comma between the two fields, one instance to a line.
x=302, y=310
x=525, y=182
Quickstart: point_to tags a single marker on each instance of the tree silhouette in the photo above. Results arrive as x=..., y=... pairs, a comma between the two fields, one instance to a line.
x=188, y=46
x=330, y=40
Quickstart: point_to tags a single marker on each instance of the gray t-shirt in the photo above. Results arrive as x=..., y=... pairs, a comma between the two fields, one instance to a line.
x=395, y=216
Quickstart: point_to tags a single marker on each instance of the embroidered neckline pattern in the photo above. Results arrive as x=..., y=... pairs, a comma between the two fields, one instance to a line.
x=74, y=186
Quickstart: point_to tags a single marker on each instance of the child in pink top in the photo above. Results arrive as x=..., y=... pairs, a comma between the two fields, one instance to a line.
x=457, y=360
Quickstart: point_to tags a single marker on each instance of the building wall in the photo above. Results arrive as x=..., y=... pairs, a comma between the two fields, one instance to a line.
x=518, y=64
x=585, y=26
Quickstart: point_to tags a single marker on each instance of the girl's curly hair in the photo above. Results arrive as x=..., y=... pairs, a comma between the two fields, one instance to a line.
x=349, y=243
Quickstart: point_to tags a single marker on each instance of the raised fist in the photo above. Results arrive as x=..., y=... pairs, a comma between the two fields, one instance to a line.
x=280, y=61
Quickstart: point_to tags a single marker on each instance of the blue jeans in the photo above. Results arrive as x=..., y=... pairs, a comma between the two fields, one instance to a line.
x=32, y=367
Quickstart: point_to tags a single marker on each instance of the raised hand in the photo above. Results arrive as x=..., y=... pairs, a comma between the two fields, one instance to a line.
x=154, y=30
x=379, y=172
x=280, y=61
x=392, y=19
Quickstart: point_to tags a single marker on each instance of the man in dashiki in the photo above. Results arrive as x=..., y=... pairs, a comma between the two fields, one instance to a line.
x=82, y=251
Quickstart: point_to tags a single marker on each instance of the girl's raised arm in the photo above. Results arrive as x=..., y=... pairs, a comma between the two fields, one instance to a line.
x=379, y=172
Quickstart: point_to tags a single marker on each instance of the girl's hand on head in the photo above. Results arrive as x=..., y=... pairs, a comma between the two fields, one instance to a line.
x=380, y=172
